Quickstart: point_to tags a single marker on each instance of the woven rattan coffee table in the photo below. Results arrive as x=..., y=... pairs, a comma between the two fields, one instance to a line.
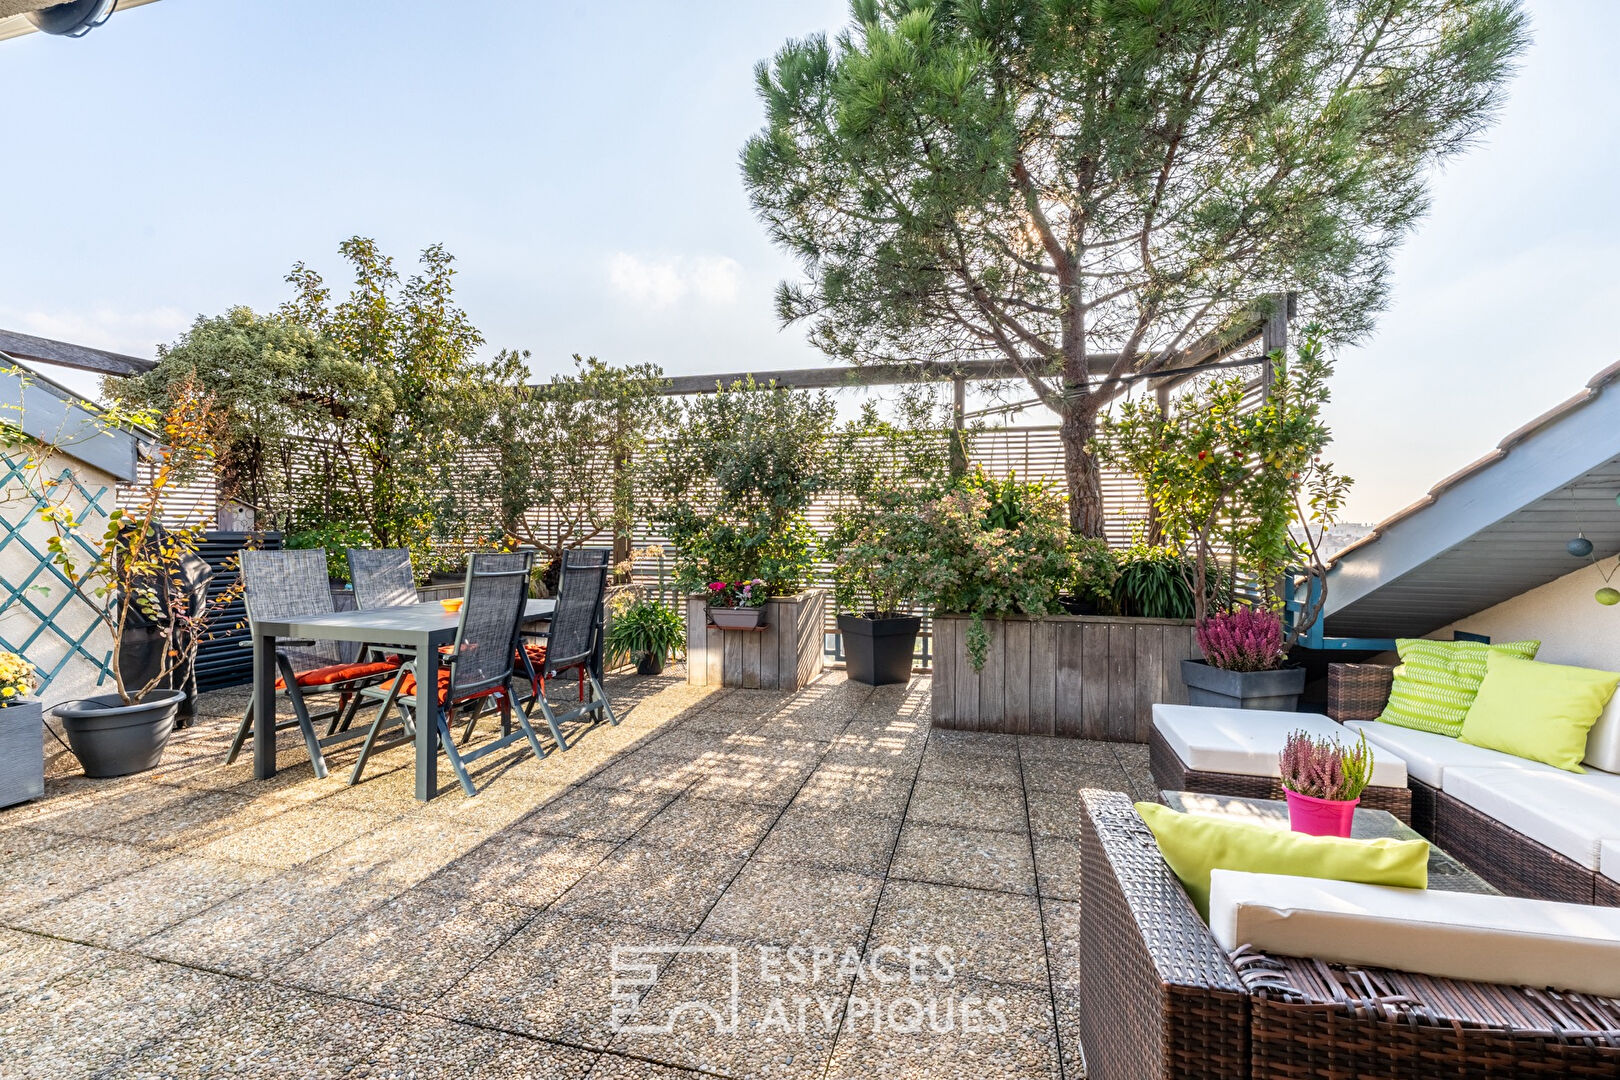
x=1445, y=872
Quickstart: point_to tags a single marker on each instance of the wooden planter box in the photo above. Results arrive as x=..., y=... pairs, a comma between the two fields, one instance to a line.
x=784, y=654
x=1078, y=676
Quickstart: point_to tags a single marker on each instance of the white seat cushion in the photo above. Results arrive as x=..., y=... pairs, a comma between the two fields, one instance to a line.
x=1609, y=859
x=1246, y=742
x=1603, y=742
x=1492, y=939
x=1572, y=813
x=1428, y=755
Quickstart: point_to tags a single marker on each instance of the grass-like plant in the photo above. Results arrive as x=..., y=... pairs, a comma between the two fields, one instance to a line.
x=644, y=628
x=1325, y=768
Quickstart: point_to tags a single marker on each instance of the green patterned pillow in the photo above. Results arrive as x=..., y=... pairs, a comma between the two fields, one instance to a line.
x=1437, y=681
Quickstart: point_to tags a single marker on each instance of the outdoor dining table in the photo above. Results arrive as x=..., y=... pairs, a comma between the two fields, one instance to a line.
x=420, y=628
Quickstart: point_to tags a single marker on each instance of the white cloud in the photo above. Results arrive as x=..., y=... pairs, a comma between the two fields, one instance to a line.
x=662, y=281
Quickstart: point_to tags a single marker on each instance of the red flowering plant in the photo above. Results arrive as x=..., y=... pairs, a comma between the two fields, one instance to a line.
x=1246, y=639
x=1324, y=768
x=736, y=594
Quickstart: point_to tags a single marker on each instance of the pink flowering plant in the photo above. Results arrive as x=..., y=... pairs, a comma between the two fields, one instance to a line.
x=1325, y=768
x=739, y=594
x=1247, y=639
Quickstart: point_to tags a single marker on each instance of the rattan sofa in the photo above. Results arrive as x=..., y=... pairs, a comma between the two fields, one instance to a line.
x=1160, y=999
x=1509, y=860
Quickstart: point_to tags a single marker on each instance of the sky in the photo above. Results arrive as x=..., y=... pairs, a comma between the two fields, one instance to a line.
x=580, y=161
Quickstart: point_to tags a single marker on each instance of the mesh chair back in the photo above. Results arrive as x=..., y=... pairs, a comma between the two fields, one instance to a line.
x=574, y=624
x=382, y=578
x=486, y=640
x=285, y=585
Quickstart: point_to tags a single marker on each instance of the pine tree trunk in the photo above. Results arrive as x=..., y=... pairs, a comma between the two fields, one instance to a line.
x=1080, y=468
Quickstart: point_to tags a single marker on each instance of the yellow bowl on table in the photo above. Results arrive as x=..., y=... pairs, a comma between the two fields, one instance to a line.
x=452, y=604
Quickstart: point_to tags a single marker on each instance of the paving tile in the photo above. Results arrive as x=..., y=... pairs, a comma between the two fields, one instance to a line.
x=644, y=771
x=128, y=909
x=862, y=745
x=431, y=1049
x=611, y=1066
x=872, y=789
x=723, y=827
x=976, y=858
x=785, y=904
x=597, y=813
x=518, y=867
x=270, y=924
x=1062, y=922
x=94, y=816
x=706, y=717
x=29, y=961
x=765, y=775
x=21, y=840
x=838, y=839
x=945, y=742
x=967, y=1028
x=195, y=819
x=666, y=887
x=1047, y=748
x=992, y=936
x=55, y=873
x=554, y=979
x=970, y=767
x=1054, y=813
x=402, y=853
x=291, y=837
x=762, y=1038
x=85, y=1021
x=1066, y=1006
x=408, y=951
x=1071, y=776
x=1131, y=755
x=259, y=1031
x=964, y=806
x=1057, y=867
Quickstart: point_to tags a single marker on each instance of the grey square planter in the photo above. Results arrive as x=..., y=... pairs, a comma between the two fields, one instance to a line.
x=22, y=752
x=1278, y=690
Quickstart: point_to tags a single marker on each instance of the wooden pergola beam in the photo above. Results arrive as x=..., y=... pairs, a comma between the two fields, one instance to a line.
x=66, y=354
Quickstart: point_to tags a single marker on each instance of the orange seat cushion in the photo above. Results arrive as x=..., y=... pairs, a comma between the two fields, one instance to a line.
x=408, y=687
x=336, y=673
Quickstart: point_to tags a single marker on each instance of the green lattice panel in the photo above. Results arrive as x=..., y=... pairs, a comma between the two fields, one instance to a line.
x=47, y=608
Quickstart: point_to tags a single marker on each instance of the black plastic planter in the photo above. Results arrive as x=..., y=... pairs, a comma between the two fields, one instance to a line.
x=650, y=663
x=1278, y=690
x=878, y=652
x=113, y=739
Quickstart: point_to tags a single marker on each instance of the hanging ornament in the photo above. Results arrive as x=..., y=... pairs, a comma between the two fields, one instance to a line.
x=1607, y=597
x=1580, y=547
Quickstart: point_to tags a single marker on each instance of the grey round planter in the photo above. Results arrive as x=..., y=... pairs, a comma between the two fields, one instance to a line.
x=1278, y=689
x=113, y=739
x=22, y=751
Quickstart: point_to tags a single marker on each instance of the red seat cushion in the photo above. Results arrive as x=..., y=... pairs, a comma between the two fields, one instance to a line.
x=336, y=673
x=408, y=687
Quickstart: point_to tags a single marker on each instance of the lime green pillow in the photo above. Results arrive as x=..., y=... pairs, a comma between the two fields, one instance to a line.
x=1538, y=711
x=1194, y=845
x=1437, y=681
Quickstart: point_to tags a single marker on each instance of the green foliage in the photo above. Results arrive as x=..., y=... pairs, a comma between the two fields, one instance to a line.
x=1154, y=583
x=1250, y=481
x=336, y=537
x=570, y=455
x=1095, y=571
x=883, y=471
x=733, y=485
x=644, y=627
x=1043, y=180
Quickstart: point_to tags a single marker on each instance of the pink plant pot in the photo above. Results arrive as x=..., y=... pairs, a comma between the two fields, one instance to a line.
x=1320, y=817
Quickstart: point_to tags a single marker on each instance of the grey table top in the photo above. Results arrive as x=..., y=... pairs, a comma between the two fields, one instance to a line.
x=394, y=625
x=1445, y=872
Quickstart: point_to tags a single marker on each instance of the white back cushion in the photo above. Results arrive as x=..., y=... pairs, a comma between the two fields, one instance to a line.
x=1568, y=812
x=1492, y=939
x=1246, y=742
x=1603, y=741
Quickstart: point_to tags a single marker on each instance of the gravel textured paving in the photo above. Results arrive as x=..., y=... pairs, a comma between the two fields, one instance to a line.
x=882, y=900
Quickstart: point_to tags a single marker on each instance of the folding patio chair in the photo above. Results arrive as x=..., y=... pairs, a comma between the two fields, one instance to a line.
x=476, y=669
x=573, y=641
x=382, y=578
x=288, y=584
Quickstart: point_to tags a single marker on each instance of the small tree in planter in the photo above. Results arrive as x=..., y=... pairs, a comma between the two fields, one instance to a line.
x=885, y=472
x=1245, y=651
x=147, y=585
x=733, y=485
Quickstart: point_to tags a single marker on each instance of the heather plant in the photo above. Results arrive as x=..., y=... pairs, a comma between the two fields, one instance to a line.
x=1247, y=639
x=1324, y=768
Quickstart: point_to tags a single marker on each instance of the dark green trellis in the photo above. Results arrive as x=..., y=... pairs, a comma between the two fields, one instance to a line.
x=45, y=592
